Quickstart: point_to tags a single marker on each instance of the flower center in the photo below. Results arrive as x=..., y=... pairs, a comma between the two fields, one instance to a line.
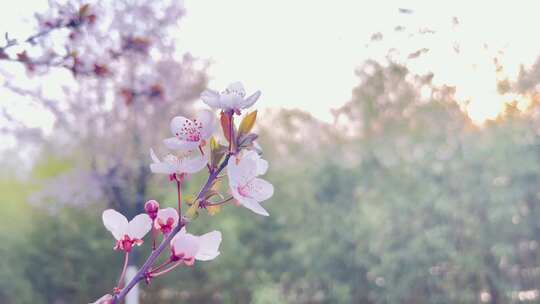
x=171, y=159
x=190, y=130
x=243, y=190
x=126, y=244
x=236, y=92
x=166, y=226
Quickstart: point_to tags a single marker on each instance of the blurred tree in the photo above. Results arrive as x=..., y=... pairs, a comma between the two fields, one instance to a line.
x=127, y=80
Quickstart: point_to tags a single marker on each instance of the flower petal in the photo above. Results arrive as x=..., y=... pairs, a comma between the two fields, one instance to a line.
x=236, y=86
x=174, y=143
x=178, y=124
x=208, y=120
x=248, y=102
x=211, y=98
x=139, y=226
x=195, y=164
x=162, y=168
x=208, y=246
x=115, y=222
x=164, y=214
x=234, y=191
x=259, y=189
x=254, y=206
x=262, y=165
x=153, y=156
x=241, y=170
x=230, y=101
x=185, y=245
x=257, y=147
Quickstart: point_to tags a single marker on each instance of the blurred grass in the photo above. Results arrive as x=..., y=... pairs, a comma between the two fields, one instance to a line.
x=15, y=209
x=17, y=212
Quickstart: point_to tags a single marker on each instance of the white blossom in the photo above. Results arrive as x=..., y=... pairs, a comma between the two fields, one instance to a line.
x=177, y=165
x=232, y=98
x=189, y=134
x=189, y=247
x=246, y=187
x=126, y=233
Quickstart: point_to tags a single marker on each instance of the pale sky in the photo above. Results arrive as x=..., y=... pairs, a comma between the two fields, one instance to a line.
x=302, y=53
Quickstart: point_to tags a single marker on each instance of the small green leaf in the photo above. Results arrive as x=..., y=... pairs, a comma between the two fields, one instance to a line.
x=213, y=210
x=247, y=123
x=193, y=211
x=188, y=199
x=214, y=145
x=217, y=151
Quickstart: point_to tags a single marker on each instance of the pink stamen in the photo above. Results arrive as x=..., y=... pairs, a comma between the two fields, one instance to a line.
x=126, y=244
x=166, y=226
x=191, y=130
x=243, y=191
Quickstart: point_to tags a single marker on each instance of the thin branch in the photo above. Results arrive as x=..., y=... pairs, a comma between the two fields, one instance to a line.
x=220, y=202
x=164, y=271
x=121, y=279
x=141, y=274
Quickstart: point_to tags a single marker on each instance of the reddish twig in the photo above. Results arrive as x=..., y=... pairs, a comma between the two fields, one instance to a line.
x=121, y=279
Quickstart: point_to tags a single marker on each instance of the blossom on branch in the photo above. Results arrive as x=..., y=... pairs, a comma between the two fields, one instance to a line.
x=166, y=220
x=126, y=233
x=177, y=165
x=190, y=134
x=232, y=98
x=187, y=247
x=246, y=187
x=262, y=165
x=151, y=207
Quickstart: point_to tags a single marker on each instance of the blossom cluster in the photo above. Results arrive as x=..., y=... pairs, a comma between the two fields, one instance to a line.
x=195, y=146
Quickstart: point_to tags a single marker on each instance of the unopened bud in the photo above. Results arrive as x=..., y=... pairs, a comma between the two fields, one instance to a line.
x=151, y=207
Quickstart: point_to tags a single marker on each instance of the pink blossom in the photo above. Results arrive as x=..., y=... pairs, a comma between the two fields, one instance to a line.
x=126, y=233
x=166, y=220
x=232, y=98
x=190, y=134
x=188, y=247
x=246, y=187
x=151, y=207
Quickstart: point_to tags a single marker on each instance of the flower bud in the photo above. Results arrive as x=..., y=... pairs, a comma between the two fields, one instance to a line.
x=151, y=207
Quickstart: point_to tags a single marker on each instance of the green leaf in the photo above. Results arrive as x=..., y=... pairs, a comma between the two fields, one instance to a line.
x=213, y=210
x=247, y=123
x=217, y=151
x=193, y=211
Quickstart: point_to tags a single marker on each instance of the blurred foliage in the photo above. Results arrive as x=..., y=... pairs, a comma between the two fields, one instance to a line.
x=402, y=200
